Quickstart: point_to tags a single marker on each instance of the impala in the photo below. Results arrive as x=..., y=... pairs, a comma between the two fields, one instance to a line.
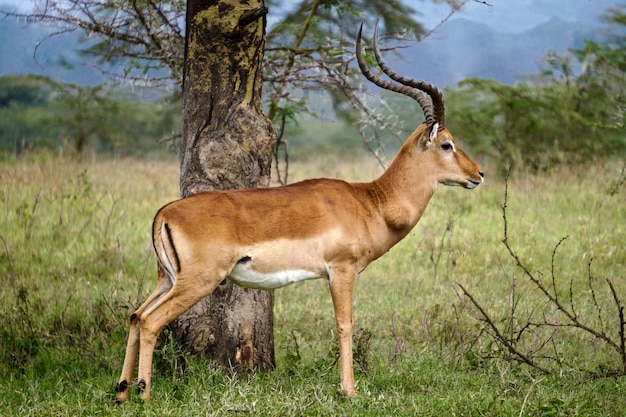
x=318, y=228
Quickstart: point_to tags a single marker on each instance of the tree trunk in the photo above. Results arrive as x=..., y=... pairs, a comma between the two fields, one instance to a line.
x=227, y=144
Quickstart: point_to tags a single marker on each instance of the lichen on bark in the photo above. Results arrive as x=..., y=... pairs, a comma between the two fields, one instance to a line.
x=222, y=106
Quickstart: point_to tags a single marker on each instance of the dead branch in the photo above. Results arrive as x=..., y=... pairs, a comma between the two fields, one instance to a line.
x=486, y=318
x=620, y=313
x=574, y=320
x=281, y=142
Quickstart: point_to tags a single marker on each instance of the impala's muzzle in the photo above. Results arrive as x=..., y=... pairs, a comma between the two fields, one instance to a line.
x=473, y=183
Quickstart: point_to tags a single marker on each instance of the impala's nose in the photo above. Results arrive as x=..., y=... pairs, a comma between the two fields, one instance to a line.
x=482, y=174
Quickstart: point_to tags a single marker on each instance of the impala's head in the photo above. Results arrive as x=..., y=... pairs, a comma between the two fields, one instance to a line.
x=446, y=159
x=451, y=165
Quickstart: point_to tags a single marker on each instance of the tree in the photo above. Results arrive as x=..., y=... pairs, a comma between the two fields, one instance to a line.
x=227, y=144
x=604, y=65
x=30, y=90
x=83, y=113
x=24, y=121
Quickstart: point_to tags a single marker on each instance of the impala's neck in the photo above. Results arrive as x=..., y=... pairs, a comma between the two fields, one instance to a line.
x=405, y=188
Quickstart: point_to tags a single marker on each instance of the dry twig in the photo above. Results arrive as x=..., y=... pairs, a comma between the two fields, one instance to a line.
x=567, y=309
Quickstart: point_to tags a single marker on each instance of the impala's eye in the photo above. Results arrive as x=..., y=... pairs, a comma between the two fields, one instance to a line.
x=447, y=146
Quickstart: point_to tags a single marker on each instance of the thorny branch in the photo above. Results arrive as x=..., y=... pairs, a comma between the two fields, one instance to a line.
x=573, y=319
x=620, y=312
x=282, y=179
x=499, y=336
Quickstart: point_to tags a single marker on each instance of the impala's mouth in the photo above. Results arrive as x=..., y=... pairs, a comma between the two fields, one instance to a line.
x=468, y=183
x=473, y=184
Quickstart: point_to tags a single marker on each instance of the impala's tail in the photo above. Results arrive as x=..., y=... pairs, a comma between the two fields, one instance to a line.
x=164, y=248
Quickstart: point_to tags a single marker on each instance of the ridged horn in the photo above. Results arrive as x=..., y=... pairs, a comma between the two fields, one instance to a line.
x=409, y=91
x=435, y=112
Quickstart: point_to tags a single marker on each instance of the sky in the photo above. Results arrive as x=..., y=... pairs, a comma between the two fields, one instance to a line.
x=509, y=16
x=514, y=16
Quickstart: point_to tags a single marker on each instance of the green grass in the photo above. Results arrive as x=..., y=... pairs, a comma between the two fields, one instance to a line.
x=78, y=237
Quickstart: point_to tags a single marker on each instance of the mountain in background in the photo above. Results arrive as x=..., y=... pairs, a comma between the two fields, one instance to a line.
x=462, y=48
x=459, y=49
x=57, y=57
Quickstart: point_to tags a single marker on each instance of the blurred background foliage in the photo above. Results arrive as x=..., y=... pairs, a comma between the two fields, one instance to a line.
x=39, y=113
x=571, y=112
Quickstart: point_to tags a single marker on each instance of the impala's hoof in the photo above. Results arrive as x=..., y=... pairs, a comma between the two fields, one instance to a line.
x=121, y=390
x=348, y=393
x=144, y=390
x=141, y=386
x=121, y=386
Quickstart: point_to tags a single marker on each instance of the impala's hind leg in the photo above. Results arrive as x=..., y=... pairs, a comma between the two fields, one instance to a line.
x=132, y=347
x=181, y=297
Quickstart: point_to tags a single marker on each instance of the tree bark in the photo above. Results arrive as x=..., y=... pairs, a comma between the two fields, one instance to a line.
x=227, y=144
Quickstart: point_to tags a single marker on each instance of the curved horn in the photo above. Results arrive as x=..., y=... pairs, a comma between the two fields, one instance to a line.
x=431, y=90
x=409, y=91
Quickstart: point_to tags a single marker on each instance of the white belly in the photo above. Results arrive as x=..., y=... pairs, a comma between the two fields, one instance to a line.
x=246, y=277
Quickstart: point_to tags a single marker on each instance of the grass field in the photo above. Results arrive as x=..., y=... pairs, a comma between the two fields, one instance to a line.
x=76, y=260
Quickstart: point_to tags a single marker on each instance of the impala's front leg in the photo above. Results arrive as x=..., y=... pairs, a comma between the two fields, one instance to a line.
x=341, y=288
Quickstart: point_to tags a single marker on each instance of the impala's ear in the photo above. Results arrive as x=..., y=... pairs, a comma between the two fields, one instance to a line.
x=431, y=136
